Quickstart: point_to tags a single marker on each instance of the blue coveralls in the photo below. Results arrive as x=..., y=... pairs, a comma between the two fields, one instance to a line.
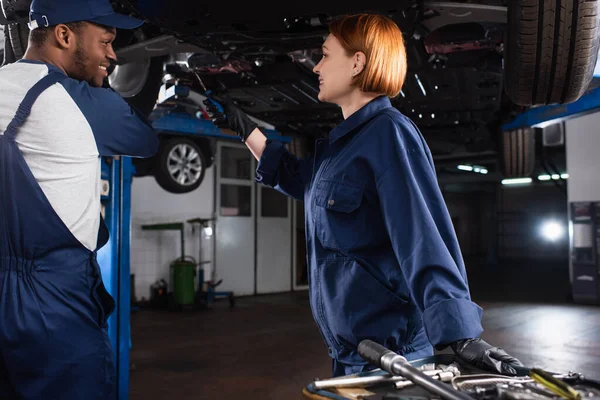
x=384, y=261
x=53, y=304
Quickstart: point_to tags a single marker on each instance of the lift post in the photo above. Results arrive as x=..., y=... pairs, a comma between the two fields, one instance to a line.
x=114, y=260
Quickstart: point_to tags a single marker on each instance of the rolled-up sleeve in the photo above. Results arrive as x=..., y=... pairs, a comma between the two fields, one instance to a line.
x=426, y=247
x=283, y=171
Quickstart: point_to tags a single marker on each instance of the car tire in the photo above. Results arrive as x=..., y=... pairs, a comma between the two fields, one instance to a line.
x=169, y=175
x=518, y=153
x=18, y=35
x=551, y=50
x=9, y=55
x=5, y=48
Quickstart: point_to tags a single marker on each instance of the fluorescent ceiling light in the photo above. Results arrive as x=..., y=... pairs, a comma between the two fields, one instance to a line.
x=473, y=168
x=516, y=181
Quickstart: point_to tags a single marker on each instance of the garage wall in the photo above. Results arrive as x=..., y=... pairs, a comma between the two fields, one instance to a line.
x=506, y=224
x=521, y=214
x=153, y=251
x=464, y=209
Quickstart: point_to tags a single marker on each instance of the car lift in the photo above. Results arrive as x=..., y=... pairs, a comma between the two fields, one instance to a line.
x=114, y=260
x=538, y=117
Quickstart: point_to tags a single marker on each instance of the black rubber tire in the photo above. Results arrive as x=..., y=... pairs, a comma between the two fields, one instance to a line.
x=551, y=50
x=16, y=10
x=19, y=36
x=518, y=153
x=9, y=55
x=160, y=168
x=5, y=39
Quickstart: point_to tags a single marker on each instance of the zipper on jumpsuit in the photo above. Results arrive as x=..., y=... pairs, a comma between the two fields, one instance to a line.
x=325, y=332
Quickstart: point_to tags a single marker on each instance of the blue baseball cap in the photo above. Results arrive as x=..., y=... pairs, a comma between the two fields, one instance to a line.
x=53, y=12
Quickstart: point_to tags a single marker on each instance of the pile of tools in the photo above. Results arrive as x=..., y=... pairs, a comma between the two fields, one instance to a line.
x=397, y=378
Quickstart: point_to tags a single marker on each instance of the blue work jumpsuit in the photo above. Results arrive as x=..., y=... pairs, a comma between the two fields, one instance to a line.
x=53, y=304
x=383, y=258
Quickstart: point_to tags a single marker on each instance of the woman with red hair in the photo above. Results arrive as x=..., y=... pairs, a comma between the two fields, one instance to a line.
x=384, y=260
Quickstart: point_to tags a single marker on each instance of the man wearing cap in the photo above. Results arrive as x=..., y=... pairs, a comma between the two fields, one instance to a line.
x=56, y=121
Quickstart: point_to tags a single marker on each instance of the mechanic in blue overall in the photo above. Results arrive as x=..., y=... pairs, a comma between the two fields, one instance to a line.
x=384, y=261
x=56, y=121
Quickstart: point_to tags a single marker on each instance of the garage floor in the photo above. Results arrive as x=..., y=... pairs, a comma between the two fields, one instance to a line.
x=268, y=347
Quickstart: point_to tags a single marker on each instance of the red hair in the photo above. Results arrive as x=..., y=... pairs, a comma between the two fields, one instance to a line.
x=380, y=39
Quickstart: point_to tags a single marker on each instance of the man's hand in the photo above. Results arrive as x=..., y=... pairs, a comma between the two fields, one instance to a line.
x=484, y=356
x=236, y=119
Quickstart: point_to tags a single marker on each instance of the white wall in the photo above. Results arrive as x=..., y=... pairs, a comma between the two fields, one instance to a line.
x=583, y=162
x=153, y=251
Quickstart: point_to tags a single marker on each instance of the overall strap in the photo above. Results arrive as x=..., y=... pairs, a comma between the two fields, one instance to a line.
x=30, y=98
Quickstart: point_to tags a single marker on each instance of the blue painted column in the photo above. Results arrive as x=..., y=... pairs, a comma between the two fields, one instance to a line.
x=114, y=260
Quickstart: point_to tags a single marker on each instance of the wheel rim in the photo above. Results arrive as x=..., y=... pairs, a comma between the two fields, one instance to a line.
x=184, y=164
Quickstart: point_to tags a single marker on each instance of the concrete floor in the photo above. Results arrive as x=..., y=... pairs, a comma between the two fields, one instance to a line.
x=268, y=347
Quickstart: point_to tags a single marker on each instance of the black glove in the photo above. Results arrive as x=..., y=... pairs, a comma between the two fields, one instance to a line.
x=482, y=355
x=236, y=119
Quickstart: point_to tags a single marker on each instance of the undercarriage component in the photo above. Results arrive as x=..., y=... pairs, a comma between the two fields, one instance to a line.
x=129, y=79
x=299, y=24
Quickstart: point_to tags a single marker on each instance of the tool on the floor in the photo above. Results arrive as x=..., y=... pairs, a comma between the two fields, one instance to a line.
x=554, y=384
x=395, y=364
x=366, y=381
x=469, y=382
x=492, y=387
x=442, y=376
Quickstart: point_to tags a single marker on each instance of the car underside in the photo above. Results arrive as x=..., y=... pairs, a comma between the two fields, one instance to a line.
x=262, y=57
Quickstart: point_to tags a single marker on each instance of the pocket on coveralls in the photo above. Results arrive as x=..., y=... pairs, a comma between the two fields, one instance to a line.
x=361, y=307
x=338, y=221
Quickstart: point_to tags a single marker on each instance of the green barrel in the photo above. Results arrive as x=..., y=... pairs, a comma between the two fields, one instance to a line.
x=183, y=282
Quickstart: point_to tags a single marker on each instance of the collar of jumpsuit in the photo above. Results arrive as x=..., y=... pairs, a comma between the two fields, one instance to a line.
x=357, y=118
